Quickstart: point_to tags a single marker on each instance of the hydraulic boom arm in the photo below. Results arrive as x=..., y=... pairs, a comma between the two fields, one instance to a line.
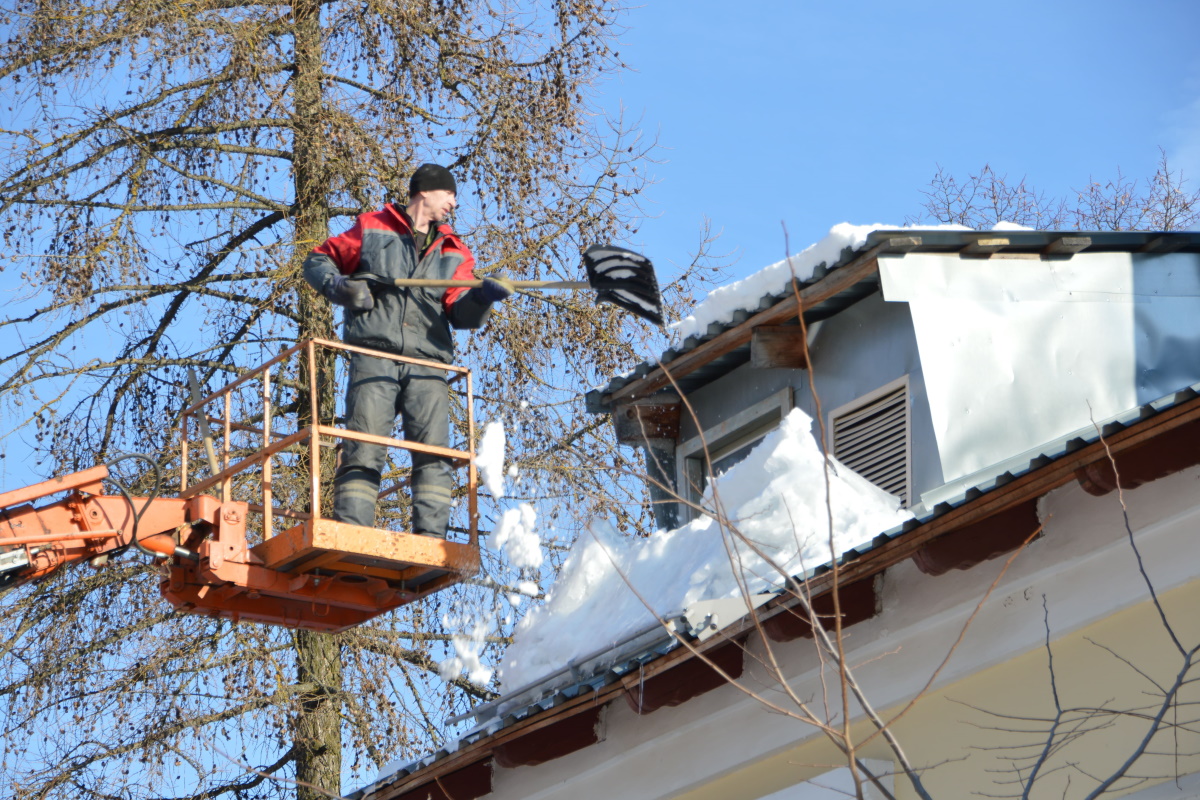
x=86, y=525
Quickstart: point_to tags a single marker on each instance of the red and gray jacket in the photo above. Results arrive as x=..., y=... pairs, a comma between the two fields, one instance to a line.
x=409, y=322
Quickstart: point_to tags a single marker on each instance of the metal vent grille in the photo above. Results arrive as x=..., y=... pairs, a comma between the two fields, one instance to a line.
x=872, y=440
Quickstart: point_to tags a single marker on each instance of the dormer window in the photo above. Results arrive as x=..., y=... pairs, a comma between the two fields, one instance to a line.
x=728, y=443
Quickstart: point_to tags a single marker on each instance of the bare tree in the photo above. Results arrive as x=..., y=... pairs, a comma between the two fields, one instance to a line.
x=983, y=199
x=1162, y=202
x=166, y=169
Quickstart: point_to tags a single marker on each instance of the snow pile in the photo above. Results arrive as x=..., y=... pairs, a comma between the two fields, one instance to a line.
x=722, y=303
x=489, y=458
x=776, y=500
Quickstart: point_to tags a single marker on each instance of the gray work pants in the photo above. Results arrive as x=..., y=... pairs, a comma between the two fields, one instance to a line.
x=378, y=391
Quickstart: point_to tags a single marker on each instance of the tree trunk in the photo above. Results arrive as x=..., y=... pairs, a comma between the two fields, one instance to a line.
x=318, y=744
x=318, y=740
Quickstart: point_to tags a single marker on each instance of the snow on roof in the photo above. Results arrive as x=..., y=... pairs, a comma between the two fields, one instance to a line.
x=722, y=303
x=611, y=586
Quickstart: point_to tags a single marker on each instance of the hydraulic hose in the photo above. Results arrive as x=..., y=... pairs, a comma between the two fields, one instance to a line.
x=137, y=516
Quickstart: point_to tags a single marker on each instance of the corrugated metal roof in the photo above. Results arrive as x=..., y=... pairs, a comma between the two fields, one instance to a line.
x=979, y=243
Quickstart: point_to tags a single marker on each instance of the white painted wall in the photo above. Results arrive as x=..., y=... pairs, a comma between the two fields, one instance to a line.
x=838, y=784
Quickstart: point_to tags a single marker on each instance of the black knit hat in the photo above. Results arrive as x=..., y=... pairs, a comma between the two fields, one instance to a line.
x=429, y=178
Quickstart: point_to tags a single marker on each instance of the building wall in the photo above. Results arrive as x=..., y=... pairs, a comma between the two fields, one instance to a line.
x=728, y=744
x=982, y=734
x=1065, y=343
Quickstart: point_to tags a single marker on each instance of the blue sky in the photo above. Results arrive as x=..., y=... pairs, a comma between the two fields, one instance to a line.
x=814, y=113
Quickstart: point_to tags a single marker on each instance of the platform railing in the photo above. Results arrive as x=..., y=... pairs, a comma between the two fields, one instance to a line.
x=308, y=439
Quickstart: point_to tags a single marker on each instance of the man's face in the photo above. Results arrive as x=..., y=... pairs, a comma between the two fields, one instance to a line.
x=441, y=203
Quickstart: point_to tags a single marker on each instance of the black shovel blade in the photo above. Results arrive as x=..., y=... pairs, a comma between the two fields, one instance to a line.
x=624, y=278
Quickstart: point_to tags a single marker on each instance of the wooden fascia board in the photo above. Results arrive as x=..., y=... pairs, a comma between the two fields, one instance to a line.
x=862, y=266
x=778, y=347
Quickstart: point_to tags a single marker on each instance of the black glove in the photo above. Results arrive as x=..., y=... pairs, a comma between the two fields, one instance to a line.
x=354, y=295
x=496, y=288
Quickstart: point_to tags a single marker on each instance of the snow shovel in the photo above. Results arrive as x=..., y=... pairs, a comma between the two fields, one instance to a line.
x=619, y=276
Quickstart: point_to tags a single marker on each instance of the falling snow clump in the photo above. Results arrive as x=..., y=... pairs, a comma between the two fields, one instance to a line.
x=517, y=538
x=489, y=458
x=468, y=650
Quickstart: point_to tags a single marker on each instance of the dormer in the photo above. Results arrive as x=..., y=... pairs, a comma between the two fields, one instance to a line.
x=937, y=356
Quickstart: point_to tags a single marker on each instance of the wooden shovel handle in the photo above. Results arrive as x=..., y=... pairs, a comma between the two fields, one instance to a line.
x=430, y=283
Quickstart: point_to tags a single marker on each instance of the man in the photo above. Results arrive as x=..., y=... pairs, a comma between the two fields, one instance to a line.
x=401, y=242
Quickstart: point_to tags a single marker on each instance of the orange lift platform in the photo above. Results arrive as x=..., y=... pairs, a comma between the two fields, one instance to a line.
x=245, y=539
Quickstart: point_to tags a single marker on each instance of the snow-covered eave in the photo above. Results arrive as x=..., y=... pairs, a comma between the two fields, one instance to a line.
x=719, y=334
x=1144, y=437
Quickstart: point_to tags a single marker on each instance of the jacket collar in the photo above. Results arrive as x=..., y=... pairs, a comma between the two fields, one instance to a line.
x=400, y=213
